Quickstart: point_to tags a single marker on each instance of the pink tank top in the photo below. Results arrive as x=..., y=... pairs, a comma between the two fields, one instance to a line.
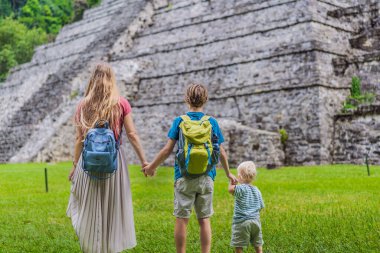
x=125, y=110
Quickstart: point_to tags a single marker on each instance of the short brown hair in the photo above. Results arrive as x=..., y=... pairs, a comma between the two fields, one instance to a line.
x=196, y=95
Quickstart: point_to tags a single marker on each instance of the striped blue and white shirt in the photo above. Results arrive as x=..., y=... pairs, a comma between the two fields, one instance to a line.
x=248, y=203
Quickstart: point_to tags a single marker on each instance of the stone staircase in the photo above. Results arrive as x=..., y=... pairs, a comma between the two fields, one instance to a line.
x=40, y=92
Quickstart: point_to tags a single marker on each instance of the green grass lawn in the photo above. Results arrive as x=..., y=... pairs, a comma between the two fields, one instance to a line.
x=333, y=208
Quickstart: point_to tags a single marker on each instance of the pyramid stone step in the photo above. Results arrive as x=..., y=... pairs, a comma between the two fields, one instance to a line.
x=99, y=10
x=83, y=26
x=202, y=11
x=239, y=79
x=232, y=51
x=62, y=50
x=223, y=28
x=94, y=23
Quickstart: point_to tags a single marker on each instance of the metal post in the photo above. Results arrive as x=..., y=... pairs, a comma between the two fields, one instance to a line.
x=366, y=161
x=46, y=180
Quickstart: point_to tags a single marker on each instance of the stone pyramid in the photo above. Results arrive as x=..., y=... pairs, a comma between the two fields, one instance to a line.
x=268, y=64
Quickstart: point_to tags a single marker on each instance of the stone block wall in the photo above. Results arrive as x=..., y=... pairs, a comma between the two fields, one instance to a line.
x=263, y=71
x=357, y=134
x=363, y=61
x=245, y=143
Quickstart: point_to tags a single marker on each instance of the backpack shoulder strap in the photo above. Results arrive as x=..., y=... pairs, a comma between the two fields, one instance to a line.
x=185, y=117
x=205, y=117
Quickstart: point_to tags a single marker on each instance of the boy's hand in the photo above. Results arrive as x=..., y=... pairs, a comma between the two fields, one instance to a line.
x=143, y=165
x=149, y=170
x=232, y=178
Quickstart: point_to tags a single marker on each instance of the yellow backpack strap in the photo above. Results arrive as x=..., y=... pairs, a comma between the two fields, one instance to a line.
x=185, y=118
x=206, y=117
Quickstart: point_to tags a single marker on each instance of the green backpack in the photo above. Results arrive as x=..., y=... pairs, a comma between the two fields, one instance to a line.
x=198, y=148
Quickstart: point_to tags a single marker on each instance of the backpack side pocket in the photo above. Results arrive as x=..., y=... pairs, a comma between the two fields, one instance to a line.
x=180, y=155
x=215, y=150
x=180, y=159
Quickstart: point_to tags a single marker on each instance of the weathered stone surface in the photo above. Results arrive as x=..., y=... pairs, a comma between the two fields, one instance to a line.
x=357, y=135
x=367, y=41
x=363, y=56
x=246, y=143
x=330, y=101
x=366, y=67
x=241, y=142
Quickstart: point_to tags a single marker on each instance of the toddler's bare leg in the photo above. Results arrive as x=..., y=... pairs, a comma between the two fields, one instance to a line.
x=259, y=249
x=238, y=250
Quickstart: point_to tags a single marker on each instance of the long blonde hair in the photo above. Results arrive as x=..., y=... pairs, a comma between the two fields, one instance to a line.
x=101, y=101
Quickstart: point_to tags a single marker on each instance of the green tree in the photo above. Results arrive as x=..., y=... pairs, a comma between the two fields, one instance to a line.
x=49, y=15
x=92, y=3
x=24, y=24
x=17, y=5
x=17, y=44
x=5, y=8
x=7, y=61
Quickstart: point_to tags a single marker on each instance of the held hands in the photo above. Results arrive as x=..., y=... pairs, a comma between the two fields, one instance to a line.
x=148, y=169
x=143, y=165
x=232, y=178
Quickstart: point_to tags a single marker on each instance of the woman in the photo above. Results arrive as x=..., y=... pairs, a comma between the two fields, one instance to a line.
x=101, y=210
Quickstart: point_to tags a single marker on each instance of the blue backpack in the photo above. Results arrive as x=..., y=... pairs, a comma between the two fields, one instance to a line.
x=99, y=155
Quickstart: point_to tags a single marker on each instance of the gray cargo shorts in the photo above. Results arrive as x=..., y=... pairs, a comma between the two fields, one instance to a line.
x=193, y=192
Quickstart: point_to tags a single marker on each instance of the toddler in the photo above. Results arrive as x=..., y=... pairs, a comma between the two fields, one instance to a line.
x=246, y=225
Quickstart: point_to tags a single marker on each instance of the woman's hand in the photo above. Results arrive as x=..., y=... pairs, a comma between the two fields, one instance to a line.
x=71, y=175
x=144, y=164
